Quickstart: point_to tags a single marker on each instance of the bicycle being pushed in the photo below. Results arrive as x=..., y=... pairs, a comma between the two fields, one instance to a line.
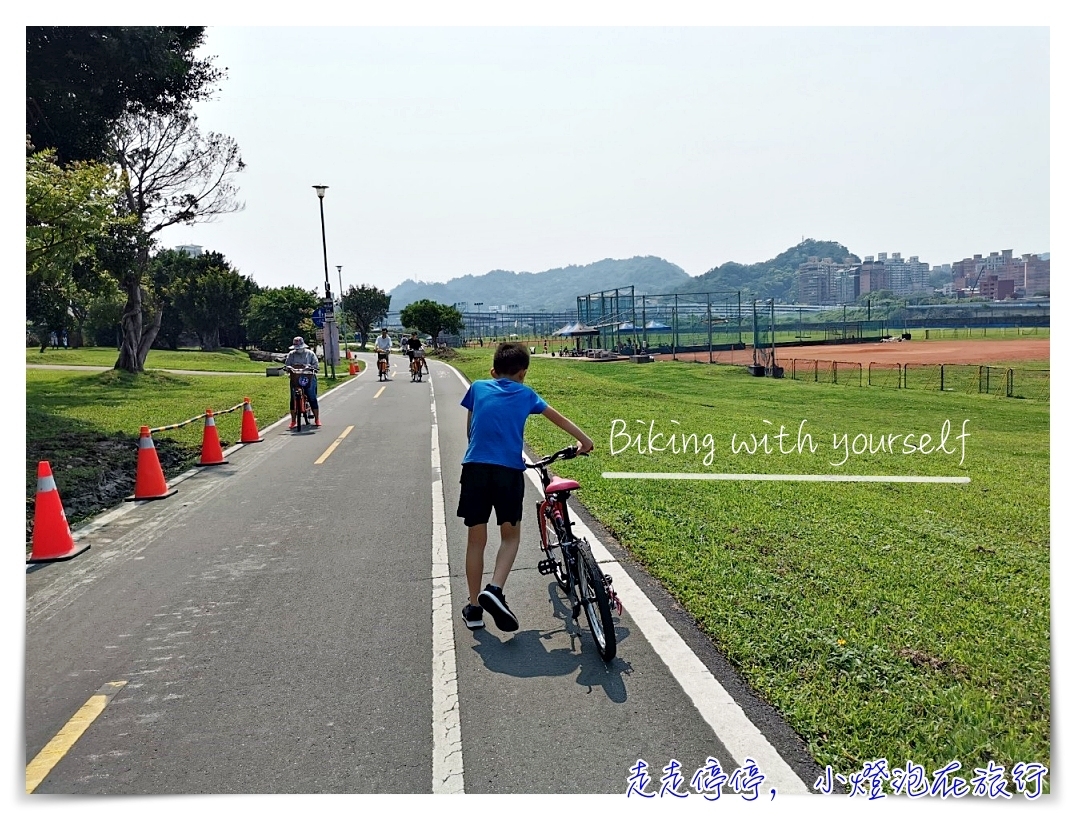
x=301, y=378
x=569, y=558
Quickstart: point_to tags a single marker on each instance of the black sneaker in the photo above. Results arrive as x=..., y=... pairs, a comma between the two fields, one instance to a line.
x=472, y=616
x=492, y=600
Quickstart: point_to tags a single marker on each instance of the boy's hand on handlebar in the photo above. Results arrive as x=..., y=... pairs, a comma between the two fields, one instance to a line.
x=583, y=446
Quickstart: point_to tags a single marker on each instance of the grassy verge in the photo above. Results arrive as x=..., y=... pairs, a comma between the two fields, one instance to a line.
x=905, y=621
x=224, y=360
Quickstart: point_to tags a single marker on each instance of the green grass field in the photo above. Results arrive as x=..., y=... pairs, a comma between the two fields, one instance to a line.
x=224, y=360
x=905, y=621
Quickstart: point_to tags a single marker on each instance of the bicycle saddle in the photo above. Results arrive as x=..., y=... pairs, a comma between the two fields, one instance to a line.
x=559, y=484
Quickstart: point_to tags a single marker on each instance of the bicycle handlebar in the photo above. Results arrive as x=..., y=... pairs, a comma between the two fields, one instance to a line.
x=566, y=453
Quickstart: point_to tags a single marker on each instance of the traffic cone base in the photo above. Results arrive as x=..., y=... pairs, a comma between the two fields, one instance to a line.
x=250, y=434
x=211, y=452
x=149, y=477
x=52, y=539
x=76, y=549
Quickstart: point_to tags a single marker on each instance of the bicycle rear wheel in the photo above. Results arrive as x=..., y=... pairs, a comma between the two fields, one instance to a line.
x=595, y=600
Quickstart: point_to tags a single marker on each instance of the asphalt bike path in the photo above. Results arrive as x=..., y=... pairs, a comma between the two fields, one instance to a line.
x=289, y=622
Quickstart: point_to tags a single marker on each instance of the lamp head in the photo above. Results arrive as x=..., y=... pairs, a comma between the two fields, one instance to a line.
x=321, y=190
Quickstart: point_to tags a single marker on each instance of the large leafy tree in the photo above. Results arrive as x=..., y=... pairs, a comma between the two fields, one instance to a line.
x=80, y=80
x=212, y=297
x=364, y=307
x=277, y=315
x=171, y=174
x=432, y=318
x=70, y=213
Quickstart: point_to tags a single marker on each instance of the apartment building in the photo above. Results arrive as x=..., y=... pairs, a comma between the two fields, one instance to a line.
x=1028, y=274
x=826, y=282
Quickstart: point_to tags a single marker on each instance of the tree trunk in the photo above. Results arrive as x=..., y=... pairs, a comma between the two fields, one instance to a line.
x=136, y=338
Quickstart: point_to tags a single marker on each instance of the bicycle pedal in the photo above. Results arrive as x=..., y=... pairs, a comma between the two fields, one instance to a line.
x=547, y=566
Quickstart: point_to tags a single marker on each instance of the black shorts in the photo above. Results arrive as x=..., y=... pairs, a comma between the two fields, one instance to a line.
x=488, y=487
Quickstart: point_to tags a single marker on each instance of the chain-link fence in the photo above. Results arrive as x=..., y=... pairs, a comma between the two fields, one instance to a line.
x=1006, y=382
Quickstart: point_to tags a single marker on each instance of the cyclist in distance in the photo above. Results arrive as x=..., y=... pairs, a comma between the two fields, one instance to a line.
x=383, y=344
x=492, y=475
x=302, y=356
x=411, y=345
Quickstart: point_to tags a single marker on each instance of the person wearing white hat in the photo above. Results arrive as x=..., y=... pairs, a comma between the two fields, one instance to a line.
x=302, y=356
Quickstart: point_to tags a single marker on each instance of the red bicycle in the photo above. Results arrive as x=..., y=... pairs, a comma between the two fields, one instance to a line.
x=569, y=559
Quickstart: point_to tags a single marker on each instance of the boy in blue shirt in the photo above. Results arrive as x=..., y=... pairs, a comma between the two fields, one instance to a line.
x=492, y=475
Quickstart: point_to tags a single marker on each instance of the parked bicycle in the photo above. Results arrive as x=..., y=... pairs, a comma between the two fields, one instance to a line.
x=300, y=403
x=569, y=559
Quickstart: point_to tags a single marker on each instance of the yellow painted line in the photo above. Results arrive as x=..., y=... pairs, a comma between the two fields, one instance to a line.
x=379, y=392
x=335, y=444
x=61, y=744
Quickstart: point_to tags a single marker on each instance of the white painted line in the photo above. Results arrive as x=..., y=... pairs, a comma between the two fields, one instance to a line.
x=716, y=706
x=899, y=479
x=447, y=743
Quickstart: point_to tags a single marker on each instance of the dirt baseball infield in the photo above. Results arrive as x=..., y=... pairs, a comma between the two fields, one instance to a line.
x=943, y=351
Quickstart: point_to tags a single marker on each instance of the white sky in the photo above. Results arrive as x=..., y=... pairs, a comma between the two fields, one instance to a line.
x=453, y=151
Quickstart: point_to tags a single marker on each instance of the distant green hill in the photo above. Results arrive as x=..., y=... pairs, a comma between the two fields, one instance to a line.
x=773, y=279
x=551, y=290
x=556, y=290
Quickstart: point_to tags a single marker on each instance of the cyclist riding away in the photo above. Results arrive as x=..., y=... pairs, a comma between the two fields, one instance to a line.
x=383, y=344
x=302, y=356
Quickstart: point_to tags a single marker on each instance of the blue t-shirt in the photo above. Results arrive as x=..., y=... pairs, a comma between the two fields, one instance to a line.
x=499, y=409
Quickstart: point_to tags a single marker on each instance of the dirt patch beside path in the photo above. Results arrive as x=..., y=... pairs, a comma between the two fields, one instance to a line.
x=944, y=351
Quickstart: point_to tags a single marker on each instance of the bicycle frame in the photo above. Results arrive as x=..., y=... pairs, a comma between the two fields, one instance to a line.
x=300, y=404
x=588, y=589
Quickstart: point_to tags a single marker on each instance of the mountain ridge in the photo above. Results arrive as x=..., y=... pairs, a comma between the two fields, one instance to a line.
x=556, y=289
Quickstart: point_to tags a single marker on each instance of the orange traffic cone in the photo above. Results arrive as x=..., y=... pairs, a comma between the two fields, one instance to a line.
x=250, y=433
x=351, y=369
x=149, y=477
x=52, y=535
x=211, y=452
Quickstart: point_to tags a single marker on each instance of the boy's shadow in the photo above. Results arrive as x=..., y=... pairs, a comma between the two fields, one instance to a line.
x=524, y=655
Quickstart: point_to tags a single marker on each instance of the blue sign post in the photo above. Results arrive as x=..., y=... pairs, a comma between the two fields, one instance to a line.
x=319, y=317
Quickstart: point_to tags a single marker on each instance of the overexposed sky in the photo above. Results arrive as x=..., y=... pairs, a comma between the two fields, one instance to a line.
x=459, y=150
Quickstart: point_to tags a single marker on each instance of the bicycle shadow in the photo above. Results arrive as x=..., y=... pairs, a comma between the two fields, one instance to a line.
x=525, y=655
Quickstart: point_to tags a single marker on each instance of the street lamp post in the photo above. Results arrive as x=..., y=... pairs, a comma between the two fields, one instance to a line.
x=328, y=293
x=343, y=320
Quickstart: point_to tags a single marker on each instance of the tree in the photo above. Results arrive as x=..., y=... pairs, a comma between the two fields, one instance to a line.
x=364, y=307
x=69, y=213
x=277, y=315
x=212, y=297
x=202, y=294
x=431, y=318
x=171, y=174
x=80, y=80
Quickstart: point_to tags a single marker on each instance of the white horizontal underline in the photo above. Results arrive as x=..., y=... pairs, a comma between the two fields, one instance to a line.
x=904, y=479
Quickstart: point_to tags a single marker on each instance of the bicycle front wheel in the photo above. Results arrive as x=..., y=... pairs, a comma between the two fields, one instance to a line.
x=595, y=600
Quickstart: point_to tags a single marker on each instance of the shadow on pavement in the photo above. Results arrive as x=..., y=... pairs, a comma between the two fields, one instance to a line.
x=524, y=654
